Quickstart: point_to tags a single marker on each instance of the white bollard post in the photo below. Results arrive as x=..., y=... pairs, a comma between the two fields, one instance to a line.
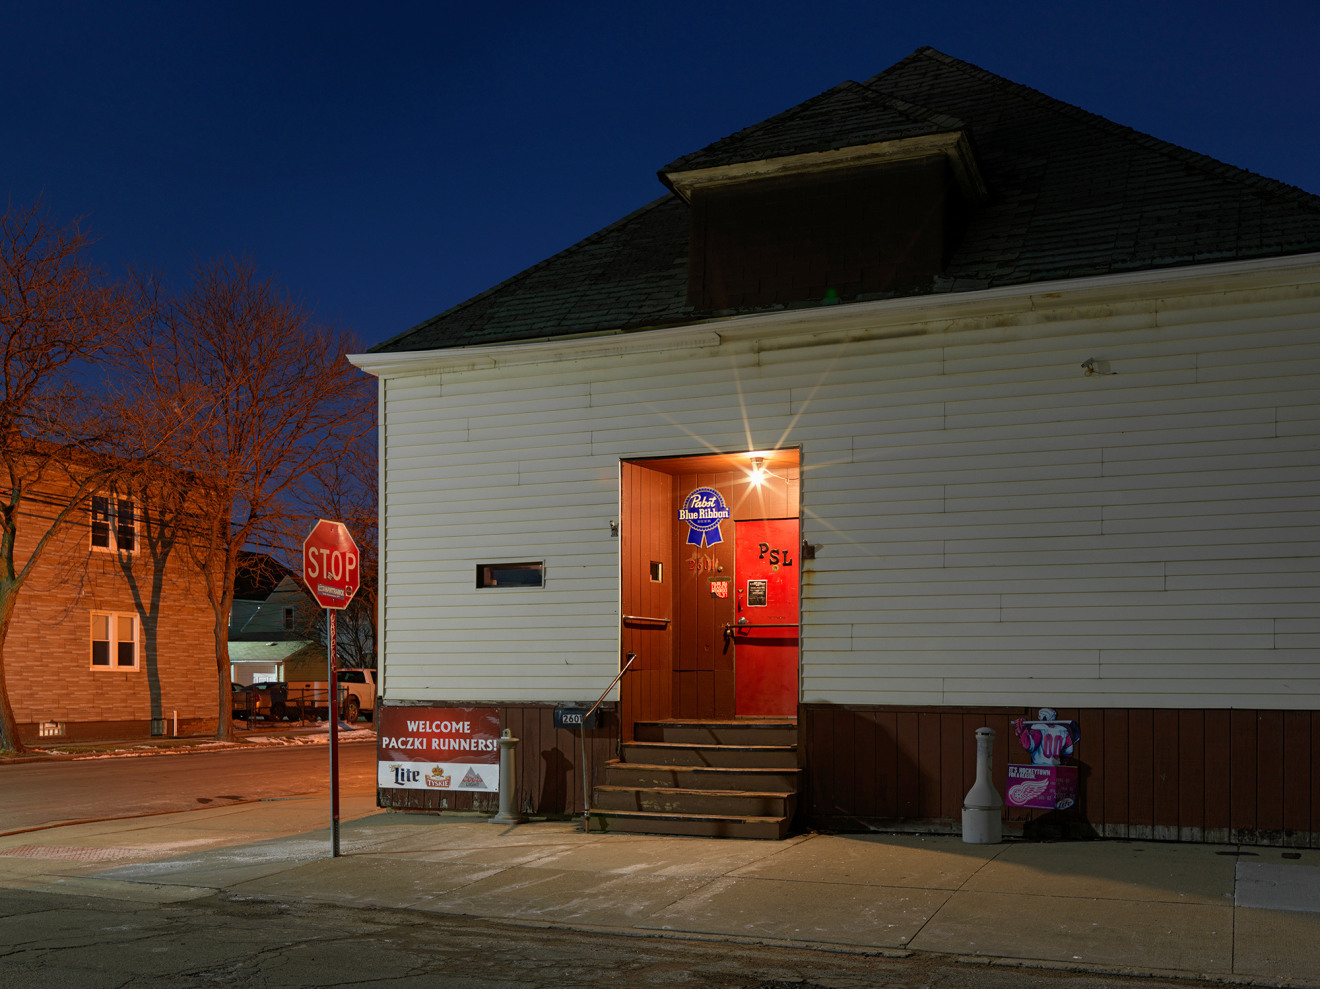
x=982, y=812
x=507, y=815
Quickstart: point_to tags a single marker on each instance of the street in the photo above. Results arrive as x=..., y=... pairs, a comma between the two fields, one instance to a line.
x=60, y=941
x=39, y=794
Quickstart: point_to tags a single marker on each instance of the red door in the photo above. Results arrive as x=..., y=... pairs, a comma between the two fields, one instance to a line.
x=766, y=618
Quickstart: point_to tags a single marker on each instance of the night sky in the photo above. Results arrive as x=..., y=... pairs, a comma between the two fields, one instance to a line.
x=386, y=161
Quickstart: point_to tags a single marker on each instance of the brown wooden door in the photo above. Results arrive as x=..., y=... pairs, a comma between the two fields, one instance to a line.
x=703, y=659
x=646, y=596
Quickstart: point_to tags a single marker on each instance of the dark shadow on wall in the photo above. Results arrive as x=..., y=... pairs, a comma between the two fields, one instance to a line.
x=159, y=520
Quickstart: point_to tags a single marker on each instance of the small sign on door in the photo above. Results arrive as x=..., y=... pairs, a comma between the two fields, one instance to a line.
x=719, y=589
x=757, y=596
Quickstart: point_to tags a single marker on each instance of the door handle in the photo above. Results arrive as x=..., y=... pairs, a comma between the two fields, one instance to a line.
x=730, y=627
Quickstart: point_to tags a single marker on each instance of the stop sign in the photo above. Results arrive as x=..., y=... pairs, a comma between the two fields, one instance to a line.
x=330, y=564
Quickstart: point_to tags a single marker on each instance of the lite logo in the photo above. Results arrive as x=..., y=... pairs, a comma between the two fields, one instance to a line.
x=403, y=775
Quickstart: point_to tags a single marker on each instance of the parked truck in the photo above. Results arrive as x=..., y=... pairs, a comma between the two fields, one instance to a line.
x=309, y=699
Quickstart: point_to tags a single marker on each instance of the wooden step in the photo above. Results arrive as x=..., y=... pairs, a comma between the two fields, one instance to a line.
x=693, y=754
x=675, y=800
x=627, y=774
x=696, y=825
x=718, y=779
x=740, y=732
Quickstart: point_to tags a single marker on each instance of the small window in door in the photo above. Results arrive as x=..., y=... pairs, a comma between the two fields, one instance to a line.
x=657, y=572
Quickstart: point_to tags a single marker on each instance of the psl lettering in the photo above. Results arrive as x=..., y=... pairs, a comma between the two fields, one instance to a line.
x=776, y=556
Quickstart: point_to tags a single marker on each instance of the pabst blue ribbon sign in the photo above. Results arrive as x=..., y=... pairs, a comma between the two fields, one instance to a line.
x=703, y=510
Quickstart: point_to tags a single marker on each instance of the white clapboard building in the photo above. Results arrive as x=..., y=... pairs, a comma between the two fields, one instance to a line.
x=924, y=405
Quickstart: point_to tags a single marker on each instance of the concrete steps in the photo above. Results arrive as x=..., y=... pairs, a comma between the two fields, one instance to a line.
x=720, y=779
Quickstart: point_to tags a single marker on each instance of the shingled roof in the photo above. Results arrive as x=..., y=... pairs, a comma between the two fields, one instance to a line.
x=1070, y=194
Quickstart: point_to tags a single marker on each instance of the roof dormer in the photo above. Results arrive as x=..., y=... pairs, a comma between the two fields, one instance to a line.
x=790, y=212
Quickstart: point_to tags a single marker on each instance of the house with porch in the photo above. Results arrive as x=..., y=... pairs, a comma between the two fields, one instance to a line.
x=925, y=405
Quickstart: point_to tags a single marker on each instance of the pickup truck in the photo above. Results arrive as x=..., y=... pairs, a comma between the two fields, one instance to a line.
x=259, y=700
x=357, y=695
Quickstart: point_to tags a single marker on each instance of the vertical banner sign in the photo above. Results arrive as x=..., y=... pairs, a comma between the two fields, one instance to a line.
x=703, y=510
x=439, y=748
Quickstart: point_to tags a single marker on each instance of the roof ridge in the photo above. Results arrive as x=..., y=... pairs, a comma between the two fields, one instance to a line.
x=1195, y=159
x=525, y=273
x=743, y=133
x=847, y=98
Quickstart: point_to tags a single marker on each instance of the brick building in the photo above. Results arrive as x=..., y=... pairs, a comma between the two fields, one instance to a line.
x=112, y=635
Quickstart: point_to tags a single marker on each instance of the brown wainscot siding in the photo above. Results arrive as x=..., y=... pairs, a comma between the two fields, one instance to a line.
x=547, y=765
x=1241, y=777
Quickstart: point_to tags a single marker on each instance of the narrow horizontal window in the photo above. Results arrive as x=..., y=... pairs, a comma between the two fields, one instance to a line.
x=510, y=574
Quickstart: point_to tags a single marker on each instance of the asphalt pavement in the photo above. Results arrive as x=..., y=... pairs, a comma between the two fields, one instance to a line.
x=1224, y=913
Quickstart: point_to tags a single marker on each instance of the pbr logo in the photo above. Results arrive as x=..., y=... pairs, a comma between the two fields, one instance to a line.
x=703, y=510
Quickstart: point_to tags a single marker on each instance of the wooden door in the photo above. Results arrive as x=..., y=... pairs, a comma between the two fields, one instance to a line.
x=703, y=660
x=646, y=596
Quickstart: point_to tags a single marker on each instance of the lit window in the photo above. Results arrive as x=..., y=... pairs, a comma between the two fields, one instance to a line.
x=114, y=641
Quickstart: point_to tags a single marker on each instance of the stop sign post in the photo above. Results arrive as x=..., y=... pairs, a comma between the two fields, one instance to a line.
x=332, y=573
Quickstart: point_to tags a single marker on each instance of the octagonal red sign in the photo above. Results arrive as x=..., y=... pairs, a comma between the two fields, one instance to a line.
x=331, y=564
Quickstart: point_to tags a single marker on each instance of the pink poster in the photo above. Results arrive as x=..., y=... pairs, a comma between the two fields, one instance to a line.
x=1042, y=787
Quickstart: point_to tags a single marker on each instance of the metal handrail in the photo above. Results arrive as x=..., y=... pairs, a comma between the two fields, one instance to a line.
x=582, y=739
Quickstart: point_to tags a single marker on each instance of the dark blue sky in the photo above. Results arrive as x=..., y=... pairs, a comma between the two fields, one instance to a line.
x=386, y=161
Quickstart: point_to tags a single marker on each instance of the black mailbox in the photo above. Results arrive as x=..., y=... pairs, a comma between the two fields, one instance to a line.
x=572, y=717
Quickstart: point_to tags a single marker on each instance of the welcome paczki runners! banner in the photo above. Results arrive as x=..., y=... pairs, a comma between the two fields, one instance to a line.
x=439, y=748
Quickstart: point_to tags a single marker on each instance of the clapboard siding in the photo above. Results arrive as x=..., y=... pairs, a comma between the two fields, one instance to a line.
x=1162, y=773
x=990, y=525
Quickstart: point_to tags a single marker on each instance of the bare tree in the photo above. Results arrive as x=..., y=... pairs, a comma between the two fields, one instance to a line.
x=58, y=317
x=347, y=490
x=268, y=401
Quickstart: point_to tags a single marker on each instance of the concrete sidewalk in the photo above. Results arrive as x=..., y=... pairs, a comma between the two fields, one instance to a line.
x=1239, y=914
